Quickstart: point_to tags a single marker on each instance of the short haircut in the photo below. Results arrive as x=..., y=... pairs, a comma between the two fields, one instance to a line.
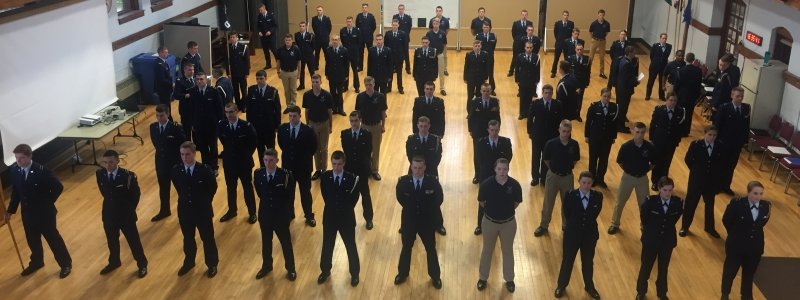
x=262, y=5
x=586, y=174
x=439, y=7
x=271, y=152
x=548, y=87
x=302, y=23
x=711, y=127
x=355, y=114
x=189, y=145
x=288, y=36
x=319, y=6
x=602, y=11
x=476, y=42
x=605, y=90
x=162, y=108
x=218, y=71
x=424, y=38
x=689, y=57
x=639, y=125
x=232, y=105
x=191, y=44
x=293, y=109
x=574, y=30
x=665, y=181
x=369, y=79
x=423, y=119
x=261, y=73
x=435, y=21
x=679, y=52
x=565, y=66
x=23, y=149
x=379, y=35
x=418, y=159
x=671, y=94
x=232, y=33
x=565, y=124
x=200, y=74
x=187, y=64
x=364, y=4
x=494, y=123
x=663, y=34
x=727, y=57
x=395, y=21
x=316, y=76
x=111, y=153
x=739, y=89
x=565, y=12
x=161, y=49
x=486, y=84
x=486, y=24
x=524, y=10
x=430, y=83
x=754, y=184
x=338, y=154
x=501, y=160
x=481, y=8
x=349, y=18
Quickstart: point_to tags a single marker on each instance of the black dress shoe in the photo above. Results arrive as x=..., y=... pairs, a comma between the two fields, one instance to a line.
x=540, y=231
x=408, y=71
x=227, y=217
x=481, y=285
x=358, y=90
x=442, y=230
x=323, y=277
x=212, y=271
x=593, y=293
x=727, y=191
x=713, y=233
x=437, y=283
x=640, y=296
x=647, y=98
x=341, y=113
x=376, y=176
x=478, y=230
x=667, y=298
x=402, y=92
x=613, y=229
x=311, y=222
x=521, y=117
x=263, y=272
x=624, y=130
x=475, y=180
x=579, y=119
x=252, y=219
x=300, y=88
x=446, y=74
x=510, y=286
x=654, y=188
x=559, y=292
x=65, y=271
x=683, y=232
x=185, y=269
x=534, y=182
x=160, y=217
x=400, y=279
x=443, y=92
x=370, y=225
x=292, y=276
x=493, y=93
x=354, y=281
x=510, y=73
x=603, y=184
x=109, y=268
x=31, y=269
x=603, y=76
x=316, y=175
x=142, y=272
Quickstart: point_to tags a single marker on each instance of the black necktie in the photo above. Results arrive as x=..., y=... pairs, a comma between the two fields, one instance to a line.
x=669, y=113
x=338, y=182
x=110, y=177
x=547, y=105
x=395, y=34
x=203, y=92
x=494, y=145
x=428, y=101
x=355, y=135
x=379, y=51
x=424, y=139
x=349, y=32
x=294, y=133
x=738, y=111
x=417, y=184
x=233, y=127
x=189, y=171
x=160, y=129
x=485, y=104
x=24, y=173
x=752, y=207
x=261, y=91
x=585, y=201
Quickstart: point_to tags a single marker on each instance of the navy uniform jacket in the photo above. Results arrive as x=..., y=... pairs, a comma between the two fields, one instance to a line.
x=527, y=70
x=340, y=200
x=337, y=64
x=167, y=144
x=37, y=194
x=225, y=89
x=238, y=145
x=380, y=66
x=297, y=154
x=519, y=43
x=543, y=124
x=421, y=208
x=206, y=109
x=434, y=111
x=666, y=131
x=488, y=42
x=617, y=49
x=570, y=44
x=405, y=22
x=476, y=67
x=581, y=223
x=726, y=81
x=688, y=85
x=562, y=32
x=431, y=150
x=238, y=60
x=398, y=42
x=120, y=197
x=276, y=196
x=480, y=116
x=267, y=23
x=182, y=87
x=425, y=66
x=322, y=30
x=566, y=90
x=734, y=128
x=626, y=74
x=477, y=24
x=659, y=227
x=306, y=45
x=659, y=56
x=519, y=27
x=487, y=156
x=351, y=41
x=163, y=79
x=195, y=60
x=582, y=71
x=744, y=234
x=600, y=125
x=358, y=152
x=367, y=25
x=195, y=192
x=704, y=169
x=264, y=111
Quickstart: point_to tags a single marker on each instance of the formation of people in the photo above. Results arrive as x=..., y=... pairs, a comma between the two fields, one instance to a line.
x=209, y=116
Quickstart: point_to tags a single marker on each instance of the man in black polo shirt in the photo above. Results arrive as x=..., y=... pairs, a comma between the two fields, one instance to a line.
x=560, y=155
x=636, y=158
x=438, y=39
x=319, y=116
x=288, y=58
x=372, y=106
x=599, y=29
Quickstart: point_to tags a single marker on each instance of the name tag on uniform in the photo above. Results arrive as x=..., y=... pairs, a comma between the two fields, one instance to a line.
x=119, y=186
x=428, y=192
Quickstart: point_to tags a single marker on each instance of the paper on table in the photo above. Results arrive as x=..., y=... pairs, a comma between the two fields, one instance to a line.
x=640, y=77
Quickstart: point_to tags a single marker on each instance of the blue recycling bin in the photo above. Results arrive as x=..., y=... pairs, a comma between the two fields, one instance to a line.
x=144, y=69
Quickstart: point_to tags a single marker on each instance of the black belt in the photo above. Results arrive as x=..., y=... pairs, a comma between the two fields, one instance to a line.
x=498, y=221
x=560, y=174
x=637, y=176
x=289, y=70
x=372, y=124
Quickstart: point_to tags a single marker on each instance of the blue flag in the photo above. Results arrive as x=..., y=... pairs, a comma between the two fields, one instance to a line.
x=687, y=13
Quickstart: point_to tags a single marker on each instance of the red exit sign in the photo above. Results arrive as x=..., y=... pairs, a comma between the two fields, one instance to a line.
x=753, y=38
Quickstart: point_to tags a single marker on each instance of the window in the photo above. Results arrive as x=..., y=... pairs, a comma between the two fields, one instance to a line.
x=124, y=6
x=735, y=23
x=156, y=5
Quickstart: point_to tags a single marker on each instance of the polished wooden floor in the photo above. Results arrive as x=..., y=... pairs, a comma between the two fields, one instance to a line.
x=695, y=269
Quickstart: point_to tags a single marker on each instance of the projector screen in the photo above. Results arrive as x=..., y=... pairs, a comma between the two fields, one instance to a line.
x=57, y=66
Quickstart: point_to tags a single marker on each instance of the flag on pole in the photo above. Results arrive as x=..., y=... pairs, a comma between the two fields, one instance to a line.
x=687, y=12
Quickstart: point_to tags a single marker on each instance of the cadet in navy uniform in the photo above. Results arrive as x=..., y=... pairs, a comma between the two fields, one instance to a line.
x=571, y=42
x=600, y=133
x=625, y=76
x=482, y=109
x=562, y=30
x=529, y=36
x=560, y=154
x=616, y=51
x=688, y=87
x=207, y=111
x=357, y=146
x=488, y=44
x=397, y=40
x=120, y=190
x=425, y=65
x=420, y=195
x=305, y=41
x=659, y=214
x=733, y=121
x=438, y=40
x=528, y=74
x=477, y=23
x=238, y=138
x=705, y=160
x=222, y=84
x=275, y=187
x=379, y=64
x=167, y=137
x=321, y=24
x=263, y=112
x=581, y=68
x=518, y=31
x=580, y=209
x=351, y=39
x=425, y=144
x=744, y=220
x=267, y=28
x=659, y=57
x=365, y=22
x=196, y=187
x=163, y=77
x=36, y=188
x=337, y=63
x=666, y=130
x=192, y=56
x=238, y=67
x=430, y=106
x=476, y=70
x=544, y=115
x=298, y=144
x=405, y=22
x=728, y=75
x=339, y=191
x=183, y=84
x=490, y=148
x=567, y=91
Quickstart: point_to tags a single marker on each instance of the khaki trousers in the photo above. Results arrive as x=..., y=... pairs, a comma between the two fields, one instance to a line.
x=626, y=185
x=491, y=231
x=554, y=184
x=377, y=135
x=599, y=47
x=323, y=134
x=442, y=64
x=289, y=80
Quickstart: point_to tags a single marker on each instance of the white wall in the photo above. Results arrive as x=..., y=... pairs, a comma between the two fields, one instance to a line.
x=650, y=19
x=150, y=43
